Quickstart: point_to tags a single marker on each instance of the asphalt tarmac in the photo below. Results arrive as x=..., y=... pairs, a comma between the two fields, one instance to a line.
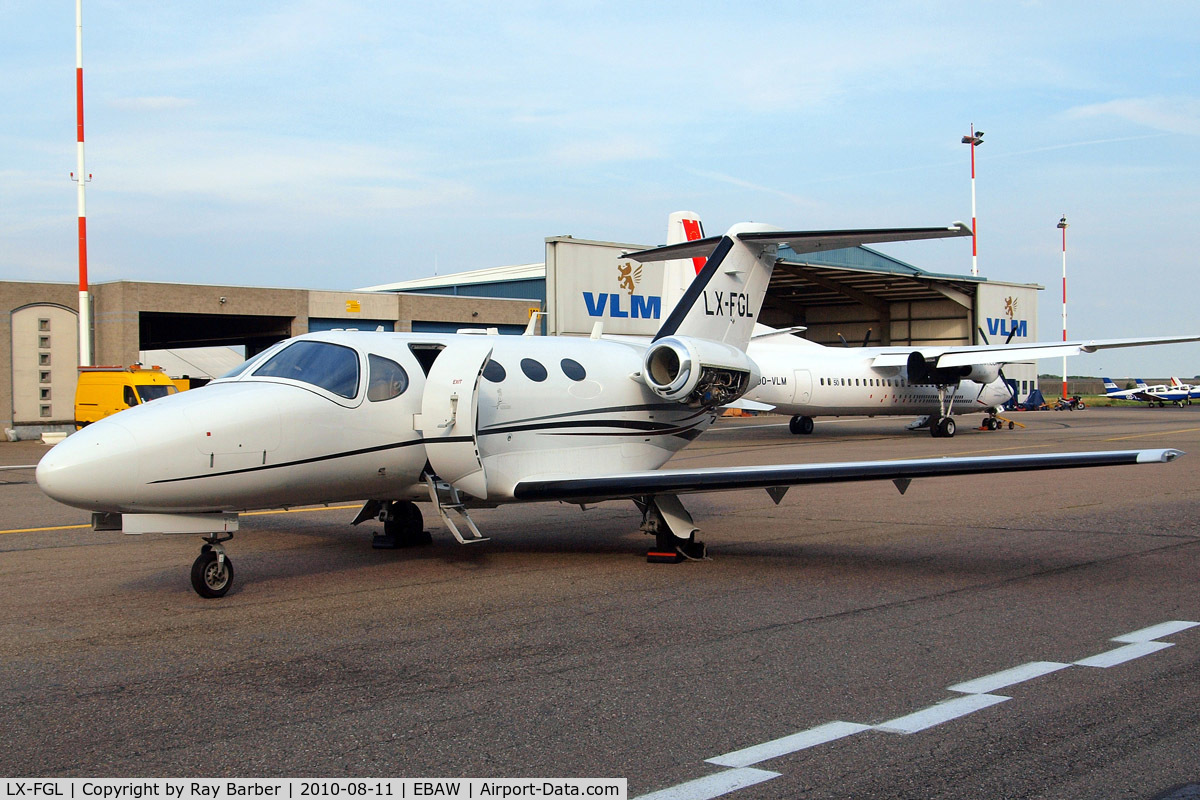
x=849, y=642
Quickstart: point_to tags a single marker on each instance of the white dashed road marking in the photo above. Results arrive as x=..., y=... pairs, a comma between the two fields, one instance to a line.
x=942, y=712
x=741, y=775
x=789, y=744
x=1009, y=677
x=1122, y=654
x=713, y=785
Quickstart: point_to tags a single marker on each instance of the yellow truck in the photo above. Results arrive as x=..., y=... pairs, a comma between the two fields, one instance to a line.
x=102, y=391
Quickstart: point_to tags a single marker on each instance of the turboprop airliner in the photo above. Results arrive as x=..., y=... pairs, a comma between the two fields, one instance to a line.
x=805, y=379
x=466, y=420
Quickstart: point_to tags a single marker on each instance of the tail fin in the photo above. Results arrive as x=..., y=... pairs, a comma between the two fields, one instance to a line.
x=1140, y=383
x=1175, y=384
x=722, y=302
x=1110, y=386
x=682, y=226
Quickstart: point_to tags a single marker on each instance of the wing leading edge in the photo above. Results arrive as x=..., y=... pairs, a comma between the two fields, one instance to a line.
x=720, y=479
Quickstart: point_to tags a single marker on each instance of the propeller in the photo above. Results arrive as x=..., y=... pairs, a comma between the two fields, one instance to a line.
x=866, y=339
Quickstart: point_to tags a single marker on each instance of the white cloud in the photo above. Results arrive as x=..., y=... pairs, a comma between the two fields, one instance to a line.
x=1168, y=114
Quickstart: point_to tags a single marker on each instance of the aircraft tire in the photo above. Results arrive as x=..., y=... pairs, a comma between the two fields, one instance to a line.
x=208, y=579
x=946, y=426
x=407, y=526
x=806, y=425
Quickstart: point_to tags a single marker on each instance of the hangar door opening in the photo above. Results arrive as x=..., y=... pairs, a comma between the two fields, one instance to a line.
x=159, y=330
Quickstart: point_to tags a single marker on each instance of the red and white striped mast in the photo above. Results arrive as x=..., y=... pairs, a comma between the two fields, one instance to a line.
x=975, y=139
x=81, y=178
x=1062, y=224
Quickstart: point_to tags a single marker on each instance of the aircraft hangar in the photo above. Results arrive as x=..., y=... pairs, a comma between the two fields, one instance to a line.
x=843, y=297
x=848, y=297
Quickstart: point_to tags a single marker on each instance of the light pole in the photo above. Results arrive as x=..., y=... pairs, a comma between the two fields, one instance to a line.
x=81, y=178
x=1062, y=224
x=975, y=139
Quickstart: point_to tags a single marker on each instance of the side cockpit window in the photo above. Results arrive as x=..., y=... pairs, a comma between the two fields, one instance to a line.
x=329, y=366
x=386, y=380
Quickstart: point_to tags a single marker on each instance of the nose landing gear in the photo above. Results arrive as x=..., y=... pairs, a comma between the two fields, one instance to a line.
x=212, y=571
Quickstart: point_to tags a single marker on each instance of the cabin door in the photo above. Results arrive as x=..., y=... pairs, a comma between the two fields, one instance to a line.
x=449, y=408
x=803, y=390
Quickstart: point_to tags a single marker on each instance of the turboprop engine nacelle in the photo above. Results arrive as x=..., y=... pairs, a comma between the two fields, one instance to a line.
x=698, y=372
x=984, y=373
x=921, y=371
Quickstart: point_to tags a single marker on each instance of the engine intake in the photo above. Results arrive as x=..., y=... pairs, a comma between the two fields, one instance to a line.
x=698, y=372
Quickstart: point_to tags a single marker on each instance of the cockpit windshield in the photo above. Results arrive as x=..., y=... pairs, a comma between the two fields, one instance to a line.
x=245, y=365
x=330, y=366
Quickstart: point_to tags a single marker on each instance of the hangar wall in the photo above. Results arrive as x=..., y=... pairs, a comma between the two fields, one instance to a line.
x=131, y=316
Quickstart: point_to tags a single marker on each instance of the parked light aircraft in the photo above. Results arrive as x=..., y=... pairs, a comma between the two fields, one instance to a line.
x=468, y=420
x=805, y=379
x=1179, y=393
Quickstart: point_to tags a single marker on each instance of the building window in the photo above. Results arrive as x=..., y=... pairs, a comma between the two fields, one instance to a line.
x=45, y=394
x=45, y=411
x=44, y=376
x=44, y=342
x=43, y=359
x=44, y=325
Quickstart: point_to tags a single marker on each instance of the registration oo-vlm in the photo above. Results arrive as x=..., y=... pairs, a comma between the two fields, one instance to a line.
x=314, y=789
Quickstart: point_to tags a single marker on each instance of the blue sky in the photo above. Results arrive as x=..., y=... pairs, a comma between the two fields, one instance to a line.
x=344, y=144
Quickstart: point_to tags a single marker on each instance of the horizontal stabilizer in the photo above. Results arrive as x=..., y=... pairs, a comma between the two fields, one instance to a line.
x=802, y=241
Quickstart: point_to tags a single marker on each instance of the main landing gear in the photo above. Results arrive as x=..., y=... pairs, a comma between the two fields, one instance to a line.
x=799, y=425
x=665, y=518
x=212, y=571
x=943, y=425
x=403, y=525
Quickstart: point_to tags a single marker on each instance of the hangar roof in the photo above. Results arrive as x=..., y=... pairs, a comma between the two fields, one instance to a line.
x=834, y=277
x=514, y=272
x=859, y=274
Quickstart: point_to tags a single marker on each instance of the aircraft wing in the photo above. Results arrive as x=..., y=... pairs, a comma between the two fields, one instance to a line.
x=719, y=479
x=802, y=241
x=967, y=355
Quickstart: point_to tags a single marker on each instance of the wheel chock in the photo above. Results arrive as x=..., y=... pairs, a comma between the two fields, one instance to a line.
x=663, y=557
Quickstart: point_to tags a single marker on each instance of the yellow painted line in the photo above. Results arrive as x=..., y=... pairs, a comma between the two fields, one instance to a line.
x=1151, y=435
x=297, y=510
x=246, y=514
x=37, y=530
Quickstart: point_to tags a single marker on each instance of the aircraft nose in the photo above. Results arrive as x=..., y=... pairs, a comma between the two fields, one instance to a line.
x=94, y=468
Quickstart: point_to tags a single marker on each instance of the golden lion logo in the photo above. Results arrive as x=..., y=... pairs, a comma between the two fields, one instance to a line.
x=629, y=276
x=1010, y=307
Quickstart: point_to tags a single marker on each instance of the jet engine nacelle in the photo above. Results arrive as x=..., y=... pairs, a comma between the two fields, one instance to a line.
x=921, y=371
x=698, y=372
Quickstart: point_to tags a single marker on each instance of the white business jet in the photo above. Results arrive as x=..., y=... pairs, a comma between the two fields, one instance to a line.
x=465, y=420
x=805, y=379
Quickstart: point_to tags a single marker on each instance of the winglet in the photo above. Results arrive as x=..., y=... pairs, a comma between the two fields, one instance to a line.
x=1164, y=456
